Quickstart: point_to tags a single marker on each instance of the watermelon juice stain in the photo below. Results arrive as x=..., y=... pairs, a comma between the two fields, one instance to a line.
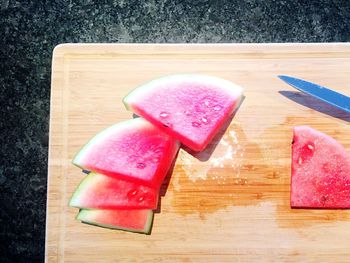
x=227, y=154
x=224, y=179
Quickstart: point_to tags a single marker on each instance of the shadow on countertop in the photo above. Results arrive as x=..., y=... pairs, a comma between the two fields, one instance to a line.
x=316, y=104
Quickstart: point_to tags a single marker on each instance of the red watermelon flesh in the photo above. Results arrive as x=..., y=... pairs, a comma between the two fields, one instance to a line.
x=139, y=220
x=98, y=191
x=191, y=108
x=320, y=171
x=132, y=150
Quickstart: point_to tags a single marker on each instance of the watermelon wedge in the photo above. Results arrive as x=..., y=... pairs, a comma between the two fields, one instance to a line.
x=132, y=150
x=190, y=108
x=129, y=220
x=97, y=191
x=320, y=171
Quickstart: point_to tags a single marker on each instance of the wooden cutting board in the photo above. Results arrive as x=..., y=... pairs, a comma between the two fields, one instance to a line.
x=231, y=202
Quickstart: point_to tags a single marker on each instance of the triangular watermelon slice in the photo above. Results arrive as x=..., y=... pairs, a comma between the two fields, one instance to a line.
x=132, y=150
x=320, y=171
x=191, y=108
x=139, y=220
x=97, y=191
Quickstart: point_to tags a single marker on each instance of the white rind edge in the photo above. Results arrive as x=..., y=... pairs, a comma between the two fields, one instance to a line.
x=229, y=87
x=99, y=137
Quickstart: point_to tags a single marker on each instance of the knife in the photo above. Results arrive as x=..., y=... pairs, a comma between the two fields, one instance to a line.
x=327, y=95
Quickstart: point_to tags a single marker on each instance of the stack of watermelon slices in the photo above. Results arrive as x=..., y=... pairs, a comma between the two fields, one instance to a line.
x=128, y=161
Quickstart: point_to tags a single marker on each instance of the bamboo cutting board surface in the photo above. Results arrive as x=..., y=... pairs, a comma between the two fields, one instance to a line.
x=229, y=203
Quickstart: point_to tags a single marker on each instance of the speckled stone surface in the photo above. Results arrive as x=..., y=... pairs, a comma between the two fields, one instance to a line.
x=29, y=30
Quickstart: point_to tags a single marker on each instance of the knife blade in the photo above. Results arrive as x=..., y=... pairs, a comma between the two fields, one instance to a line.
x=325, y=94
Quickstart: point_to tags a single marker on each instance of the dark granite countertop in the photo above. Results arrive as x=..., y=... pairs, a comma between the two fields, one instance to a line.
x=31, y=29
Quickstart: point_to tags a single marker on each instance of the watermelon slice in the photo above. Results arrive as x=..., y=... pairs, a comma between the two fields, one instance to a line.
x=191, y=108
x=139, y=220
x=320, y=171
x=97, y=191
x=132, y=150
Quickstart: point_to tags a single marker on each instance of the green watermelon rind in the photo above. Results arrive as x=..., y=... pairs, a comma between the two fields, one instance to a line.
x=140, y=91
x=83, y=184
x=99, y=137
x=87, y=181
x=81, y=216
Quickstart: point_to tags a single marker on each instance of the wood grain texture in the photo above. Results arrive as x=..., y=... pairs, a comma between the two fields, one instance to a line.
x=229, y=203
